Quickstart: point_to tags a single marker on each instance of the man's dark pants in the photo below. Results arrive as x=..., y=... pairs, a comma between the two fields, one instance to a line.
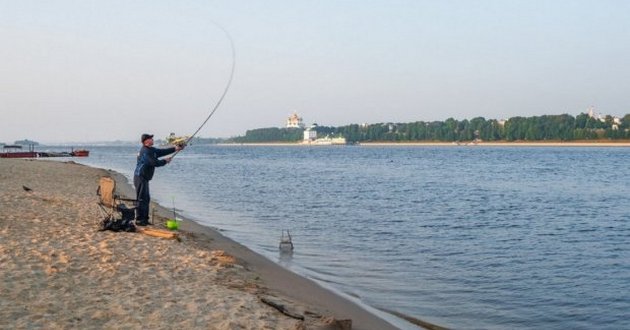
x=144, y=199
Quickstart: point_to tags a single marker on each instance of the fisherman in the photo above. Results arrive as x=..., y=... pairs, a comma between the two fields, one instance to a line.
x=148, y=160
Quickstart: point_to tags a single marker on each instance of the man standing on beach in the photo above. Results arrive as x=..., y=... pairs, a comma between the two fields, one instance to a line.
x=148, y=160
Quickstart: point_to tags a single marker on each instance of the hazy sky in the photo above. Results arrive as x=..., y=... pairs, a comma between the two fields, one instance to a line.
x=110, y=70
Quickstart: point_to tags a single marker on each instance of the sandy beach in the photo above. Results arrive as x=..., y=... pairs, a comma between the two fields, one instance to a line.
x=57, y=270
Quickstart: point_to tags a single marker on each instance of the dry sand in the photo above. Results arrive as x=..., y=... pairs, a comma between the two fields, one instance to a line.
x=58, y=271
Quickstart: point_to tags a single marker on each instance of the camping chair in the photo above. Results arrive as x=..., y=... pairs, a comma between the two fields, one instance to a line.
x=116, y=215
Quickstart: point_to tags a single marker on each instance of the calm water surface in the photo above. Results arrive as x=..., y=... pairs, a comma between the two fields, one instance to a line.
x=465, y=237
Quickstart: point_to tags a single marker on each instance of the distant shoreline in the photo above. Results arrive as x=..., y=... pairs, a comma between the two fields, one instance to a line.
x=607, y=143
x=506, y=144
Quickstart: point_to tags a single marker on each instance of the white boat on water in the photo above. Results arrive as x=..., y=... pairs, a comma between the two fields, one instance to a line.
x=327, y=141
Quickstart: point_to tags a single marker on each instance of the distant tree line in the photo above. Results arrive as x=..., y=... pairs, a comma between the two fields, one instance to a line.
x=538, y=128
x=272, y=134
x=202, y=140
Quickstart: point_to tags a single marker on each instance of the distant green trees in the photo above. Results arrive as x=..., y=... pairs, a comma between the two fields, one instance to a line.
x=272, y=134
x=201, y=140
x=537, y=128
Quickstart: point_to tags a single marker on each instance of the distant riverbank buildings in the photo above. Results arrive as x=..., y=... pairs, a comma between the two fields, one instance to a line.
x=616, y=121
x=295, y=121
x=310, y=133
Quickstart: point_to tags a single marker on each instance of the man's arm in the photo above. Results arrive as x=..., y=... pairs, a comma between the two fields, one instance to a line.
x=149, y=158
x=165, y=151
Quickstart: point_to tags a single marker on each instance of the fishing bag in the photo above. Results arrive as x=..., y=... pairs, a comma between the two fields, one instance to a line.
x=109, y=223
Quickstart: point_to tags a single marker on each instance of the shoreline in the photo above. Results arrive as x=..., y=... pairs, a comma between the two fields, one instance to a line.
x=502, y=144
x=285, y=282
x=252, y=275
x=606, y=143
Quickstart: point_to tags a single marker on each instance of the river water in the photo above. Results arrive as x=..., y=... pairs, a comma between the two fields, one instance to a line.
x=464, y=237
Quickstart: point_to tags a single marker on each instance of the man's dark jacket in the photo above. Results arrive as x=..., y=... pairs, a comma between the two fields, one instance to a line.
x=148, y=161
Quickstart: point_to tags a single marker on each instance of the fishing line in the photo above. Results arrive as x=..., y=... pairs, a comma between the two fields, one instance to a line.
x=227, y=87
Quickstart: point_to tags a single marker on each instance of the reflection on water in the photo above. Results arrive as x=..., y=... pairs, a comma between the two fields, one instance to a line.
x=285, y=258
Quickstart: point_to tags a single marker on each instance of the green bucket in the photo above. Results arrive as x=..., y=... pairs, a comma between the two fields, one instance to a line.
x=172, y=224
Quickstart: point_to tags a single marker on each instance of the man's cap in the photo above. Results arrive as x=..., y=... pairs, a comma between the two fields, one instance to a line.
x=146, y=136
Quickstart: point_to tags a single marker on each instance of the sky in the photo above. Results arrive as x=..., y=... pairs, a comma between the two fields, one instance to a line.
x=92, y=70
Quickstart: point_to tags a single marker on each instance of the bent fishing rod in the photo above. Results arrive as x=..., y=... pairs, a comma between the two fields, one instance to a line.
x=227, y=87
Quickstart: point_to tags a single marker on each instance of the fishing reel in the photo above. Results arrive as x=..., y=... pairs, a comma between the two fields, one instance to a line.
x=180, y=141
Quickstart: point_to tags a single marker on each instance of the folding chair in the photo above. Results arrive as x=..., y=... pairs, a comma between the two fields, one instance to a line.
x=117, y=216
